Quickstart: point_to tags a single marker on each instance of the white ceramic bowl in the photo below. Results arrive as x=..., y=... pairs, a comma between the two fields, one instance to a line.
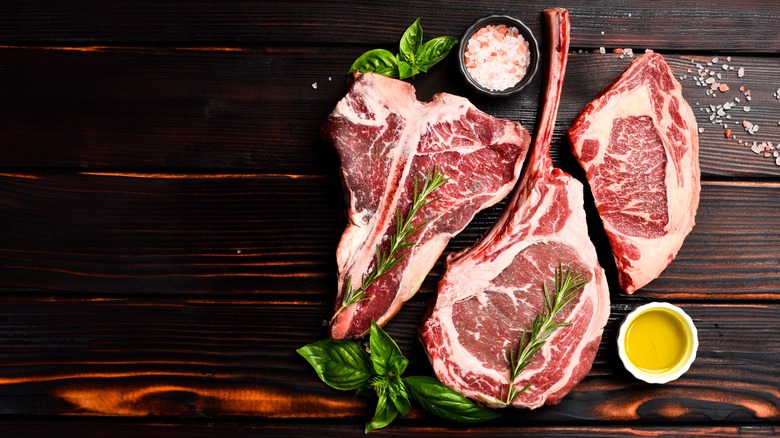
x=681, y=366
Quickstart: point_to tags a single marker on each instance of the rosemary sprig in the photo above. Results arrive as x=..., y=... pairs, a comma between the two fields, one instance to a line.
x=566, y=288
x=398, y=241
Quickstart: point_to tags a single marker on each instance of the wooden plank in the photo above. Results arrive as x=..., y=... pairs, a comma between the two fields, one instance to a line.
x=678, y=25
x=99, y=427
x=220, y=358
x=256, y=109
x=140, y=233
x=277, y=234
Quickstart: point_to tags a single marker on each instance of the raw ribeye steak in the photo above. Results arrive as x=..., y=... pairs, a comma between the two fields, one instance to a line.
x=386, y=140
x=491, y=293
x=639, y=145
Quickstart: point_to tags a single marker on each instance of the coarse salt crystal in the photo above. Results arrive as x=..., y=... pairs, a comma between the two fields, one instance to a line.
x=497, y=57
x=741, y=72
x=701, y=130
x=746, y=108
x=314, y=85
x=602, y=50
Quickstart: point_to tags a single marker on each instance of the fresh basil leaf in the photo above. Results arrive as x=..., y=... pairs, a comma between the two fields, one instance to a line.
x=384, y=351
x=434, y=51
x=445, y=402
x=399, y=396
x=411, y=42
x=342, y=365
x=379, y=61
x=406, y=70
x=384, y=414
x=399, y=365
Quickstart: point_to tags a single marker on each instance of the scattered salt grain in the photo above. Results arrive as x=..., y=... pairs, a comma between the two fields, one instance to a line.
x=330, y=78
x=602, y=50
x=741, y=72
x=746, y=108
x=602, y=32
x=497, y=57
x=701, y=130
x=314, y=85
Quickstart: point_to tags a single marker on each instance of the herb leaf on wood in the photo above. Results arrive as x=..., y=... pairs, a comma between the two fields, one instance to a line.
x=413, y=56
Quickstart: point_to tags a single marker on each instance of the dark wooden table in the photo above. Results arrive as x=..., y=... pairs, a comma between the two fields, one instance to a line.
x=169, y=216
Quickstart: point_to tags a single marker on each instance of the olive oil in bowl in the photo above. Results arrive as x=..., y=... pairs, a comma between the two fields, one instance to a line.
x=657, y=342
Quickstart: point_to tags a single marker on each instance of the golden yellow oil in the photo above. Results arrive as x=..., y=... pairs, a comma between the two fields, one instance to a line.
x=656, y=341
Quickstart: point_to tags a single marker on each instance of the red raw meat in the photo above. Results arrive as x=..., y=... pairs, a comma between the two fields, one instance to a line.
x=492, y=292
x=639, y=145
x=386, y=139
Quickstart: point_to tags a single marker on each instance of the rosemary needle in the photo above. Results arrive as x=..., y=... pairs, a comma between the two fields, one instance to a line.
x=398, y=241
x=542, y=328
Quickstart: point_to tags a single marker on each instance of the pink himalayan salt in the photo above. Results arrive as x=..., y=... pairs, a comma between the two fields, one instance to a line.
x=497, y=57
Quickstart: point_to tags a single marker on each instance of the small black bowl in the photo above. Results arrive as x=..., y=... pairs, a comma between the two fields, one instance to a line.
x=533, y=48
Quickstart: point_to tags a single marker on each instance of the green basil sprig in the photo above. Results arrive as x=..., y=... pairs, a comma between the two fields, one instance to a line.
x=413, y=56
x=346, y=366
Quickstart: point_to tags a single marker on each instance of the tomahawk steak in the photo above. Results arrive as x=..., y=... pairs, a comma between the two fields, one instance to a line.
x=491, y=293
x=387, y=140
x=639, y=145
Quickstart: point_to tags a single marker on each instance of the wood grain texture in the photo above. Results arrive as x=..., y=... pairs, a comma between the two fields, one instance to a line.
x=692, y=25
x=257, y=234
x=169, y=216
x=256, y=110
x=86, y=427
x=217, y=358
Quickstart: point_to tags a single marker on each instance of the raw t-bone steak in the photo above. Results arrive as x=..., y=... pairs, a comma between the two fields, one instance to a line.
x=639, y=145
x=492, y=292
x=386, y=140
